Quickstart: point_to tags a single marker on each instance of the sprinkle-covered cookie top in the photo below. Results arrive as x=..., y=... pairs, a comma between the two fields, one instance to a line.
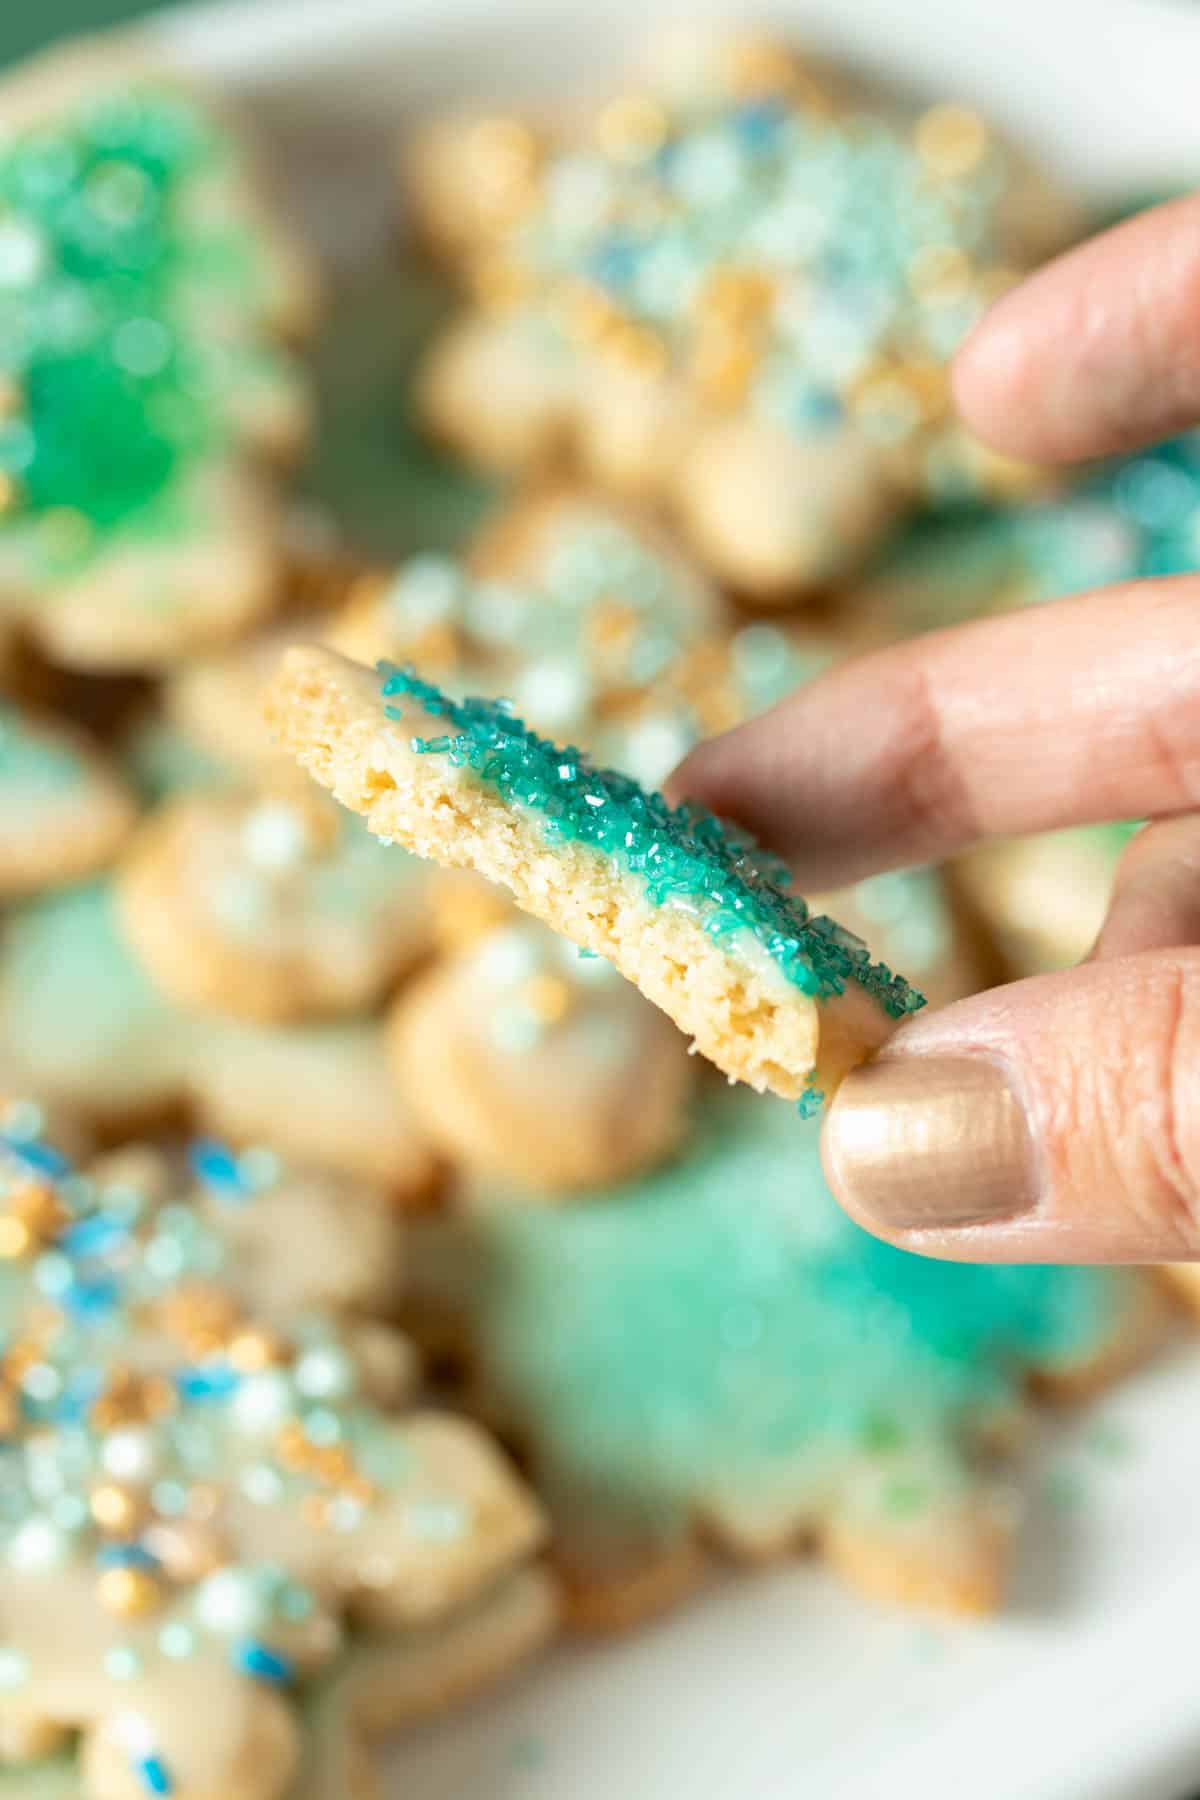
x=682, y=856
x=721, y=1328
x=131, y=307
x=773, y=247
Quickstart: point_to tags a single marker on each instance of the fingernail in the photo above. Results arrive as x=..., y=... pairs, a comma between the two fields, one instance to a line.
x=931, y=1141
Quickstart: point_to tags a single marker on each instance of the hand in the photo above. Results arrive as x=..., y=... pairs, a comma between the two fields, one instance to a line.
x=1057, y=1119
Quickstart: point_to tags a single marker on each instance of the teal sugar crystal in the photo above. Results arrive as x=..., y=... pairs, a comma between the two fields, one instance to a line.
x=684, y=856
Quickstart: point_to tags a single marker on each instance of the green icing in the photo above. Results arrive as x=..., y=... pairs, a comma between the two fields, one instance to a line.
x=721, y=1325
x=128, y=303
x=684, y=856
x=31, y=765
x=74, y=1005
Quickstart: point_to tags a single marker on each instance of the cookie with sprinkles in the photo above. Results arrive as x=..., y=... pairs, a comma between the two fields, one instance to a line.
x=196, y=1498
x=86, y=1031
x=715, y=1353
x=592, y=621
x=525, y=1062
x=64, y=811
x=270, y=906
x=736, y=290
x=145, y=386
x=686, y=906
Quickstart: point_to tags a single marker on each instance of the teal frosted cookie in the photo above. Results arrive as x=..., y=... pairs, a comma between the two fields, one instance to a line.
x=195, y=1495
x=687, y=907
x=64, y=811
x=143, y=292
x=82, y=1025
x=79, y=1016
x=717, y=1349
x=736, y=289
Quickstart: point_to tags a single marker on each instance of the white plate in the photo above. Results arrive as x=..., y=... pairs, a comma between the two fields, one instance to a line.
x=781, y=1684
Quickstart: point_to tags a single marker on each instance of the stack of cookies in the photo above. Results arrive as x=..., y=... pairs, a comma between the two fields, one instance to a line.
x=382, y=1281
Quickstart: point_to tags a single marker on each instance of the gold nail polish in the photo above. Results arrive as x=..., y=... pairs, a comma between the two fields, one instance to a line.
x=928, y=1142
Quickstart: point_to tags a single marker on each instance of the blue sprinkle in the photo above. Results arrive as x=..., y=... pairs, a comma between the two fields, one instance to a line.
x=91, y=1297
x=262, y=1662
x=92, y=1237
x=154, y=1774
x=217, y=1167
x=757, y=125
x=126, y=1556
x=215, y=1381
x=36, y=1155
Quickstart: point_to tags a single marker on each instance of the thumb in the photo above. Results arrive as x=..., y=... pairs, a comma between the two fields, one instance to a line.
x=1055, y=1120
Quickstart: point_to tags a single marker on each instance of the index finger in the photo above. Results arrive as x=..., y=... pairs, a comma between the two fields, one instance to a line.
x=1066, y=714
x=1096, y=353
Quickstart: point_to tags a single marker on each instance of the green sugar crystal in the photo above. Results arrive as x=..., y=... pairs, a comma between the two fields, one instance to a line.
x=129, y=317
x=684, y=856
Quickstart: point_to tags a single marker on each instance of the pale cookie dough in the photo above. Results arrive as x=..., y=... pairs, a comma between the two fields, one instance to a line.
x=270, y=906
x=145, y=384
x=732, y=289
x=716, y=1353
x=686, y=907
x=526, y=1063
x=64, y=811
x=197, y=1495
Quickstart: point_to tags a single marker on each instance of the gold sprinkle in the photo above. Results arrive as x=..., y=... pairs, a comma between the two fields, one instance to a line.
x=951, y=140
x=548, y=998
x=504, y=154
x=16, y=1239
x=632, y=127
x=940, y=274
x=10, y=492
x=117, y=1510
x=255, y=1349
x=187, y=1549
x=637, y=347
x=129, y=1593
x=10, y=1412
x=737, y=296
x=314, y=1511
x=722, y=365
x=612, y=626
x=11, y=398
x=585, y=311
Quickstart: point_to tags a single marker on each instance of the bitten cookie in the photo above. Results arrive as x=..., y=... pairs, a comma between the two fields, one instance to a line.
x=64, y=811
x=716, y=1352
x=684, y=905
x=525, y=1062
x=737, y=290
x=270, y=907
x=143, y=380
x=197, y=1496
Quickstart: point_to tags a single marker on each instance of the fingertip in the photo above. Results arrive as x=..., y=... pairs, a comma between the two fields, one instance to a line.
x=987, y=377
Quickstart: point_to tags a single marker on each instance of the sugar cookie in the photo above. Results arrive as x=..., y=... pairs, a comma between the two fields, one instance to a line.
x=734, y=290
x=63, y=810
x=145, y=382
x=717, y=1350
x=592, y=623
x=685, y=906
x=320, y=1093
x=197, y=1496
x=270, y=906
x=1044, y=898
x=524, y=1062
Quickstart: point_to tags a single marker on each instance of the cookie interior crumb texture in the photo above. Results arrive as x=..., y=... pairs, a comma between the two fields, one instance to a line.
x=687, y=907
